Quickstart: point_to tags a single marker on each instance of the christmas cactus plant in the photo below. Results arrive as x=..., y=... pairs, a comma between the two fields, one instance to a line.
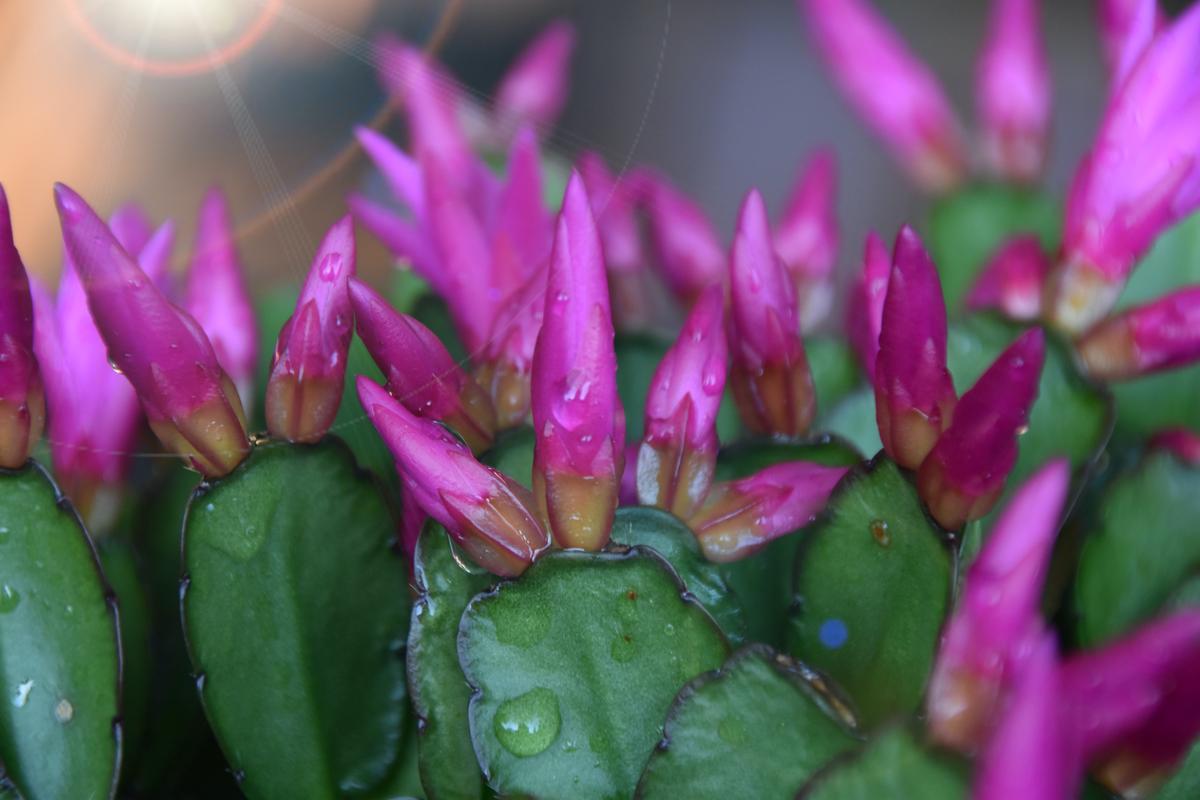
x=605, y=507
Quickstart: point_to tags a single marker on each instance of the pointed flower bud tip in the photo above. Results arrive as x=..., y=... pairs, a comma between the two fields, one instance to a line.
x=420, y=372
x=22, y=400
x=770, y=379
x=679, y=450
x=964, y=474
x=614, y=204
x=864, y=311
x=576, y=411
x=894, y=93
x=740, y=517
x=535, y=88
x=217, y=296
x=1157, y=336
x=806, y=238
x=914, y=395
x=523, y=228
x=190, y=403
x=685, y=244
x=989, y=638
x=1141, y=176
x=309, y=367
x=1013, y=280
x=491, y=516
x=1012, y=87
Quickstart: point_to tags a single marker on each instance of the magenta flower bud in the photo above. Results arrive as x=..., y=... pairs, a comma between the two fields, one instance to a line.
x=914, y=395
x=152, y=248
x=22, y=400
x=404, y=239
x=1150, y=338
x=997, y=623
x=217, y=296
x=505, y=367
x=577, y=414
x=1012, y=90
x=412, y=521
x=1030, y=756
x=964, y=474
x=1124, y=30
x=190, y=403
x=420, y=372
x=864, y=310
x=679, y=449
x=685, y=245
x=740, y=517
x=1013, y=280
x=614, y=204
x=806, y=237
x=309, y=367
x=770, y=379
x=534, y=90
x=894, y=93
x=490, y=516
x=1182, y=443
x=523, y=229
x=1141, y=176
x=1135, y=704
x=628, y=496
x=132, y=227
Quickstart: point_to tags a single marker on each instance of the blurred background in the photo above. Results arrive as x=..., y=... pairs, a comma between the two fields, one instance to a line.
x=155, y=100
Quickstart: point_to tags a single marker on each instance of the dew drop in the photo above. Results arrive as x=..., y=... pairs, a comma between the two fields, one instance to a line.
x=833, y=633
x=879, y=531
x=528, y=724
x=64, y=712
x=9, y=599
x=4, y=534
x=200, y=683
x=113, y=364
x=22, y=695
x=331, y=266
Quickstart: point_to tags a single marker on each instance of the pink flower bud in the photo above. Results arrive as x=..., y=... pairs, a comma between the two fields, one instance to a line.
x=686, y=247
x=534, y=90
x=491, y=516
x=577, y=414
x=309, y=368
x=190, y=403
x=1013, y=281
x=1157, y=336
x=523, y=229
x=679, y=450
x=22, y=400
x=505, y=368
x=806, y=237
x=1124, y=31
x=1184, y=444
x=614, y=204
x=864, y=311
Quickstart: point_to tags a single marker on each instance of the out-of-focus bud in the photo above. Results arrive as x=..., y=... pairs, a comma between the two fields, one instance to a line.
x=505, y=367
x=770, y=379
x=686, y=247
x=964, y=474
x=22, y=401
x=1183, y=443
x=1126, y=26
x=1157, y=336
x=309, y=368
x=190, y=403
x=420, y=372
x=807, y=236
x=534, y=90
x=614, y=203
x=997, y=624
x=523, y=230
x=577, y=414
x=491, y=516
x=217, y=296
x=894, y=93
x=740, y=517
x=1012, y=90
x=1013, y=281
x=679, y=450
x=864, y=311
x=914, y=395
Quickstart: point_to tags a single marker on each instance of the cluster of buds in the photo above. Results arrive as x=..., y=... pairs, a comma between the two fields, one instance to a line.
x=902, y=101
x=1128, y=709
x=961, y=448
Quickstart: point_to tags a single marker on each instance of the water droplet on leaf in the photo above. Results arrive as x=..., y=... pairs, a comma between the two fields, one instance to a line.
x=528, y=724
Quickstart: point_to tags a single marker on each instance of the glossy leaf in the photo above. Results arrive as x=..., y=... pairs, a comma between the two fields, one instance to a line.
x=896, y=766
x=60, y=656
x=759, y=727
x=872, y=589
x=296, y=609
x=574, y=667
x=445, y=583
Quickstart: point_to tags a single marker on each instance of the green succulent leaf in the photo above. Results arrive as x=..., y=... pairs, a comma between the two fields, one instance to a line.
x=574, y=666
x=60, y=656
x=967, y=227
x=873, y=585
x=296, y=609
x=759, y=727
x=445, y=584
x=673, y=540
x=893, y=765
x=1143, y=545
x=834, y=368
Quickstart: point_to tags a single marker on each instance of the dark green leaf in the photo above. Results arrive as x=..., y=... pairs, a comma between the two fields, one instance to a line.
x=745, y=458
x=759, y=727
x=966, y=227
x=60, y=658
x=118, y=560
x=574, y=667
x=1143, y=546
x=440, y=695
x=834, y=368
x=894, y=766
x=673, y=540
x=872, y=588
x=296, y=609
